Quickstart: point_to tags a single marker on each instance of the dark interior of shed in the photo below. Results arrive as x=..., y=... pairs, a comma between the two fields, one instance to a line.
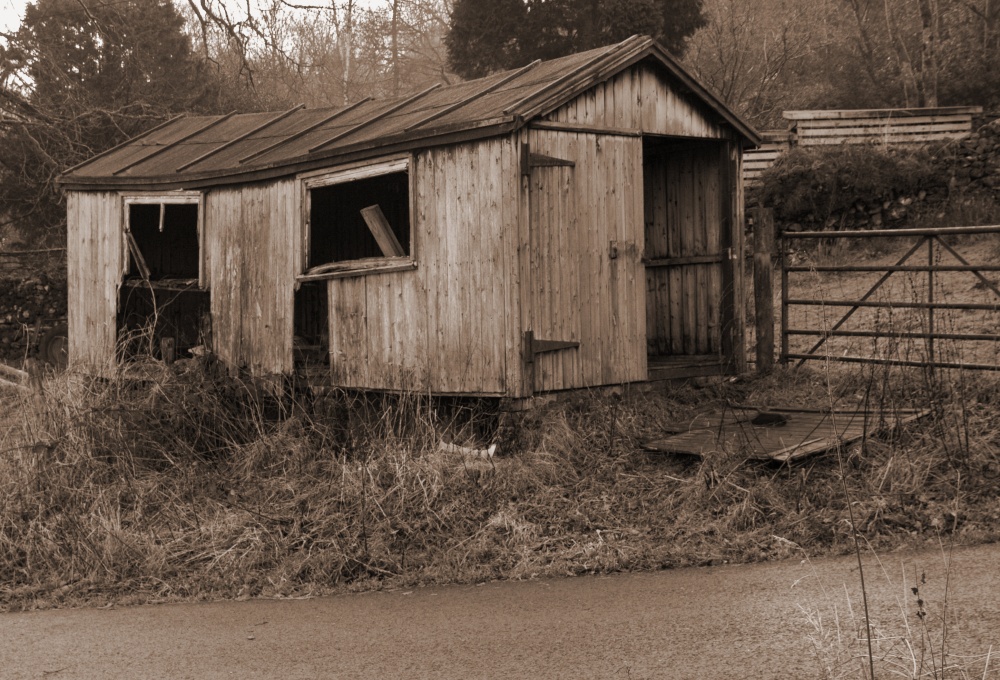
x=311, y=323
x=340, y=231
x=162, y=312
x=167, y=238
x=684, y=254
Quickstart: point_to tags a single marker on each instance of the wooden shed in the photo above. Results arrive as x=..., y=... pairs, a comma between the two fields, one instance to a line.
x=573, y=223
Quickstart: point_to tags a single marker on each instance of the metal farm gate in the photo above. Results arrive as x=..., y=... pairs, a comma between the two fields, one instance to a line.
x=933, y=306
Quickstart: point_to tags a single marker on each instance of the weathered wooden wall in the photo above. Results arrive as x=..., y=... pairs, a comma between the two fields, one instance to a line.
x=557, y=252
x=95, y=261
x=584, y=280
x=450, y=325
x=252, y=250
x=639, y=99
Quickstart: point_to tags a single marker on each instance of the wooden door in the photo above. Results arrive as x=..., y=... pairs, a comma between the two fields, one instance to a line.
x=555, y=279
x=583, y=277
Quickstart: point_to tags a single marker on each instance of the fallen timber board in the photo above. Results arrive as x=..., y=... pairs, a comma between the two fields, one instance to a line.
x=13, y=378
x=805, y=433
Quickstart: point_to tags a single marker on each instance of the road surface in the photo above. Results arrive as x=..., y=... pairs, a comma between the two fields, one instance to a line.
x=717, y=622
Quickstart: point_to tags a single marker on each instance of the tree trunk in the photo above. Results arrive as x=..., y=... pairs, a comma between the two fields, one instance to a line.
x=345, y=45
x=929, y=31
x=911, y=79
x=395, y=48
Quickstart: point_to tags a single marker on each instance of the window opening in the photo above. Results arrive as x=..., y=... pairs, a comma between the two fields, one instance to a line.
x=362, y=219
x=162, y=312
x=166, y=236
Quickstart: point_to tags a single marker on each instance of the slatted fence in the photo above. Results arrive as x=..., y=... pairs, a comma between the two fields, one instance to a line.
x=859, y=126
x=756, y=161
x=881, y=126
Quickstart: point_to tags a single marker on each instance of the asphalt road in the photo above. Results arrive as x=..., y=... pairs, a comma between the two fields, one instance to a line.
x=758, y=621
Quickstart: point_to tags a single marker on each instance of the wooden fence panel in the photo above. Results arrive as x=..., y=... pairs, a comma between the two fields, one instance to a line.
x=859, y=126
x=756, y=161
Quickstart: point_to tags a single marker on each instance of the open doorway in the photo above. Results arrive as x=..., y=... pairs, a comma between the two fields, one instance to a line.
x=685, y=253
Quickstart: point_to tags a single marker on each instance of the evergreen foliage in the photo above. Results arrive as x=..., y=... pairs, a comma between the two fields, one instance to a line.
x=493, y=35
x=77, y=78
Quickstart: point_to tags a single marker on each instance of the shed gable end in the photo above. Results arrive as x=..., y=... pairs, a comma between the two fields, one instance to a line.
x=641, y=99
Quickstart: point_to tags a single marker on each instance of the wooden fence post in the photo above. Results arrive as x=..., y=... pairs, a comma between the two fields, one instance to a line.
x=763, y=287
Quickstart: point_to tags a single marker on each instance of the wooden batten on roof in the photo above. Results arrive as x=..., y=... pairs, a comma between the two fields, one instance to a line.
x=196, y=152
x=301, y=133
x=374, y=119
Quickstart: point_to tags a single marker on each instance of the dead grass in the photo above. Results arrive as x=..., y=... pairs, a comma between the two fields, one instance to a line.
x=189, y=485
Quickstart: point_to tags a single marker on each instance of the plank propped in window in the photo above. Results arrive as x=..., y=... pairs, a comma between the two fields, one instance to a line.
x=382, y=231
x=140, y=261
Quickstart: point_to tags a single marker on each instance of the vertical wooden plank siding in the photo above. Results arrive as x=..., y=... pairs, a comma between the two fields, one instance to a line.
x=250, y=236
x=513, y=229
x=640, y=98
x=586, y=225
x=450, y=325
x=95, y=264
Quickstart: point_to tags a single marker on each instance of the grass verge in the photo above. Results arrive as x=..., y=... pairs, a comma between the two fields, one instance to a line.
x=189, y=485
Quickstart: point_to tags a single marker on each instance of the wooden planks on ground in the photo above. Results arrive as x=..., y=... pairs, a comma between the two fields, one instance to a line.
x=13, y=378
x=805, y=432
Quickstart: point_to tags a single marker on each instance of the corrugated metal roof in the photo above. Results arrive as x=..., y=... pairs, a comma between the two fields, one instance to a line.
x=206, y=150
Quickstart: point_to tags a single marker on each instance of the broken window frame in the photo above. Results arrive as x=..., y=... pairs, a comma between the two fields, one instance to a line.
x=362, y=266
x=164, y=199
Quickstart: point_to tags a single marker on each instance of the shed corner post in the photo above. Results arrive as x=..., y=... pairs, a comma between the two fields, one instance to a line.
x=734, y=335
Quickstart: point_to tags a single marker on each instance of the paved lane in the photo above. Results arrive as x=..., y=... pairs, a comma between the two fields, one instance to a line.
x=719, y=622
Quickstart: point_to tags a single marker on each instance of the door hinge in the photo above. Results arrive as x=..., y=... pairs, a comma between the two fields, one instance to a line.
x=531, y=160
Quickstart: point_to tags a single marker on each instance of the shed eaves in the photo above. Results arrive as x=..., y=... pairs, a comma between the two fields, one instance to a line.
x=205, y=150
